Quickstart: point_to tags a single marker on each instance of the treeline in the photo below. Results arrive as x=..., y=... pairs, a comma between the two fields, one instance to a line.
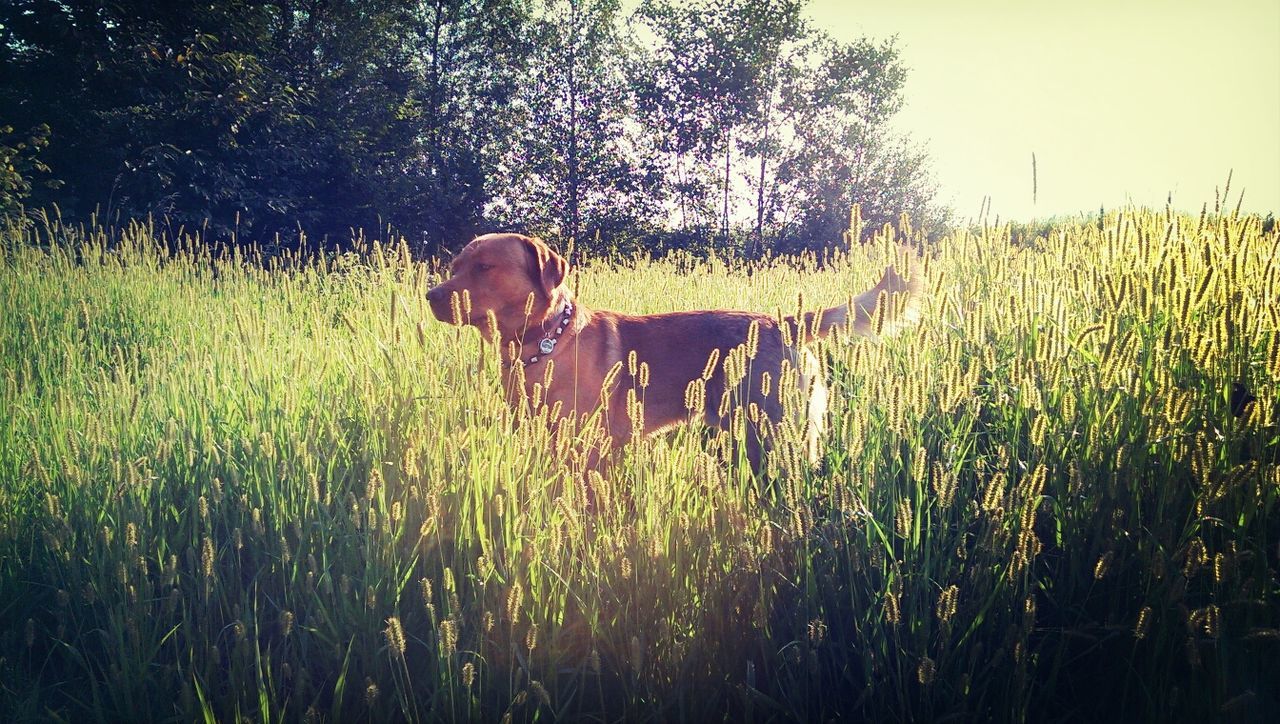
x=687, y=124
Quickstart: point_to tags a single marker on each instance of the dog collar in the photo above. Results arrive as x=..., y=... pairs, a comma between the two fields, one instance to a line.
x=548, y=343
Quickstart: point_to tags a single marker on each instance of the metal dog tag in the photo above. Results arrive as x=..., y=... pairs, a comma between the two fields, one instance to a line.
x=546, y=346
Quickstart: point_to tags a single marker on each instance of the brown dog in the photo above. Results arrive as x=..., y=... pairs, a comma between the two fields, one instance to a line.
x=716, y=362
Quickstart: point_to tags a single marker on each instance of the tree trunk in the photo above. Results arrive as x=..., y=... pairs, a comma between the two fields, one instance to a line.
x=727, y=149
x=436, y=115
x=681, y=194
x=764, y=158
x=573, y=229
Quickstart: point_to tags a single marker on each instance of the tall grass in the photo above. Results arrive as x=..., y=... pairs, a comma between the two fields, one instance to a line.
x=232, y=488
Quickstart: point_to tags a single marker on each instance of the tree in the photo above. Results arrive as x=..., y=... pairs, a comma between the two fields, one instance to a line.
x=713, y=75
x=268, y=116
x=579, y=166
x=20, y=164
x=442, y=118
x=472, y=55
x=166, y=110
x=805, y=116
x=838, y=103
x=353, y=60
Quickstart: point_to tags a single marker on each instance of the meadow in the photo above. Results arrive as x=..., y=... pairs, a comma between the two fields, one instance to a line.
x=244, y=489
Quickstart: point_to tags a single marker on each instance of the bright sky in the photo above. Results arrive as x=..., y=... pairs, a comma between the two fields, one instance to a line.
x=1118, y=99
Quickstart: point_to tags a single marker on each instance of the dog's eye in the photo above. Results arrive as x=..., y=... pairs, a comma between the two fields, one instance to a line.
x=483, y=267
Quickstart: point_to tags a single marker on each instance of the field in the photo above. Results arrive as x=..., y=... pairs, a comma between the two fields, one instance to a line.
x=282, y=491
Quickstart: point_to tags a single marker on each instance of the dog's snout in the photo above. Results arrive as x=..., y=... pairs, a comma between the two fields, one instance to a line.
x=439, y=299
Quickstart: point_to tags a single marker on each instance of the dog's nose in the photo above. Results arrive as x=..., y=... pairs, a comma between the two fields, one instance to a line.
x=434, y=293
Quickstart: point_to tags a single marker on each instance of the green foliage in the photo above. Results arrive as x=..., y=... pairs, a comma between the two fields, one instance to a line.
x=171, y=113
x=264, y=117
x=231, y=489
x=20, y=166
x=577, y=168
x=465, y=59
x=712, y=74
x=256, y=119
x=756, y=108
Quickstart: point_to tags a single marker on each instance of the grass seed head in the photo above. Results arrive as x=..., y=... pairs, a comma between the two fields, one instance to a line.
x=207, y=557
x=892, y=608
x=926, y=671
x=531, y=638
x=905, y=518
x=1143, y=625
x=515, y=599
x=448, y=637
x=395, y=637
x=712, y=360
x=948, y=600
x=1103, y=566
x=817, y=631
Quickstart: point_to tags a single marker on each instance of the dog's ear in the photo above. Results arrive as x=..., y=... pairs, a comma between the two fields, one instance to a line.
x=546, y=267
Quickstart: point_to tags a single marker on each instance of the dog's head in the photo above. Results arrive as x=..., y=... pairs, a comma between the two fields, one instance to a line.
x=498, y=273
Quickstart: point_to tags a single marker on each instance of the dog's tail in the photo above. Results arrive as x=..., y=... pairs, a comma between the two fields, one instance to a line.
x=890, y=305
